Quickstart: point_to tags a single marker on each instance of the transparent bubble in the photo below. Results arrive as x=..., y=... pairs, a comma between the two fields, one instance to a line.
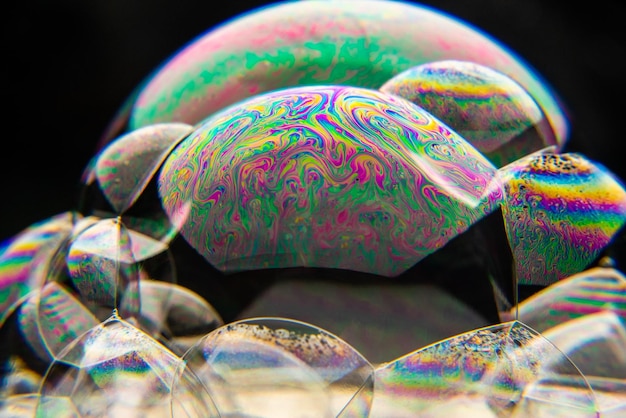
x=560, y=211
x=174, y=315
x=584, y=315
x=320, y=42
x=487, y=108
x=53, y=318
x=377, y=319
x=502, y=370
x=117, y=370
x=24, y=261
x=119, y=180
x=324, y=176
x=271, y=367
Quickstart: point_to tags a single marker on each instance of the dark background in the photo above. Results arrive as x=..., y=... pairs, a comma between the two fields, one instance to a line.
x=67, y=66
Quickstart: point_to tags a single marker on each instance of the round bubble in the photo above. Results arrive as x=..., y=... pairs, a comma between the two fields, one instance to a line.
x=296, y=43
x=487, y=108
x=325, y=176
x=560, y=211
x=114, y=369
x=276, y=367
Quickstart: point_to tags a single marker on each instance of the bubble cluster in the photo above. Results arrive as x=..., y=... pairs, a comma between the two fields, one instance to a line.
x=298, y=197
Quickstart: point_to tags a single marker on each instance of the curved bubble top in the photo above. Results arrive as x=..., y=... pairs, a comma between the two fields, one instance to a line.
x=486, y=107
x=297, y=43
x=324, y=176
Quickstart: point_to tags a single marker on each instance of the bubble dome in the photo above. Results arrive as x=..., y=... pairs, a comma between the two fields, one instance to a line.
x=347, y=208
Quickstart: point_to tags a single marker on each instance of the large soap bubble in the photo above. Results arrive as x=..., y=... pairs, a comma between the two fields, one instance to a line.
x=296, y=43
x=325, y=176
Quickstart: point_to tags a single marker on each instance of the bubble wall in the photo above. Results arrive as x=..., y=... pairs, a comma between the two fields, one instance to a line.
x=347, y=208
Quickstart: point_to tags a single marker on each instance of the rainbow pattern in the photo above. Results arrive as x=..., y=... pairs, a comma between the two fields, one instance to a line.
x=325, y=176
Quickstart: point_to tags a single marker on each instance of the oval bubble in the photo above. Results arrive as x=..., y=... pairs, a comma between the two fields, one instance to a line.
x=325, y=176
x=487, y=108
x=297, y=43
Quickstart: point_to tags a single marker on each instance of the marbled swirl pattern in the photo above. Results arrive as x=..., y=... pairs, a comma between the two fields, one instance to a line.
x=324, y=176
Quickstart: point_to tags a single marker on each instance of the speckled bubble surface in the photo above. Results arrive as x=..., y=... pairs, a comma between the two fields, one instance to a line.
x=486, y=107
x=560, y=211
x=324, y=176
x=505, y=370
x=320, y=42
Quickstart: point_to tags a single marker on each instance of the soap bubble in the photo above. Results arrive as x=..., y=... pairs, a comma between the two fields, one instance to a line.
x=174, y=315
x=25, y=260
x=324, y=176
x=560, y=211
x=274, y=367
x=115, y=369
x=118, y=182
x=584, y=315
x=487, y=108
x=297, y=43
x=506, y=369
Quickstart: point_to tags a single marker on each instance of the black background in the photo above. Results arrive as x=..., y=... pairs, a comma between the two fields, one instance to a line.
x=67, y=66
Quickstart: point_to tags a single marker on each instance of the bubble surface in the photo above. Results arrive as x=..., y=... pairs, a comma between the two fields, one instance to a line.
x=115, y=369
x=25, y=260
x=502, y=370
x=487, y=108
x=560, y=211
x=324, y=176
x=298, y=43
x=275, y=367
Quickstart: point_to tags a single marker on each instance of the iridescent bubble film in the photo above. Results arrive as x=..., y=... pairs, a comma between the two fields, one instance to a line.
x=560, y=211
x=275, y=367
x=325, y=176
x=124, y=168
x=343, y=182
x=487, y=108
x=115, y=369
x=301, y=43
x=24, y=261
x=506, y=370
x=102, y=268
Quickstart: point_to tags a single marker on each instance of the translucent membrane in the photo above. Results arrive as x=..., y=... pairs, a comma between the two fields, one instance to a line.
x=101, y=266
x=560, y=211
x=275, y=367
x=298, y=43
x=325, y=176
x=505, y=370
x=25, y=260
x=117, y=180
x=585, y=317
x=117, y=370
x=52, y=318
x=487, y=108
x=175, y=315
